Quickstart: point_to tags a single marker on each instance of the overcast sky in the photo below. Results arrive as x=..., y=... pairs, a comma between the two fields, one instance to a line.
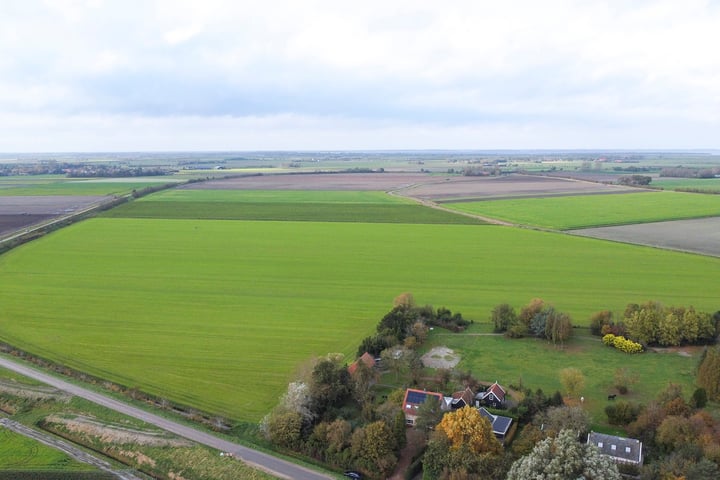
x=123, y=75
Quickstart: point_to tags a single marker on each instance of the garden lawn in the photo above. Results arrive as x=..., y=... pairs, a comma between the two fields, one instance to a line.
x=583, y=211
x=218, y=315
x=536, y=364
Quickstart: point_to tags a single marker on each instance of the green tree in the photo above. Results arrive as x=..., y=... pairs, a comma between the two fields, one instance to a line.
x=503, y=317
x=564, y=458
x=373, y=448
x=558, y=327
x=361, y=382
x=429, y=414
x=572, y=380
x=699, y=398
x=330, y=384
x=285, y=429
x=669, y=329
x=643, y=323
x=708, y=373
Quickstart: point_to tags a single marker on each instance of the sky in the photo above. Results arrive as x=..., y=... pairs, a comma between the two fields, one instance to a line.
x=178, y=75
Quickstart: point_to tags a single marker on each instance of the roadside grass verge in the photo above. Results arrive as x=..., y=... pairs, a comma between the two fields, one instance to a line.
x=536, y=364
x=584, y=211
x=19, y=453
x=217, y=315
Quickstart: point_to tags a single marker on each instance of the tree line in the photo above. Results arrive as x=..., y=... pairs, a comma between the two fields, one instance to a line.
x=537, y=318
x=651, y=323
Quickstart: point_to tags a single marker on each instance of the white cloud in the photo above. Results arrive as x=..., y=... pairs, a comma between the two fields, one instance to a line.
x=421, y=71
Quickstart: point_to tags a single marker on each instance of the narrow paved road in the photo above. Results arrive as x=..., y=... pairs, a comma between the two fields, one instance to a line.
x=65, y=447
x=263, y=461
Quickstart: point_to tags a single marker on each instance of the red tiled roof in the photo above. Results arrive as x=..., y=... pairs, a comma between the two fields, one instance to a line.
x=366, y=358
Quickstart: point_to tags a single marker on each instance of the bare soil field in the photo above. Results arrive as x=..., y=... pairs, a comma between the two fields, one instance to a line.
x=600, y=177
x=700, y=235
x=45, y=205
x=317, y=181
x=509, y=186
x=418, y=185
x=20, y=212
x=12, y=223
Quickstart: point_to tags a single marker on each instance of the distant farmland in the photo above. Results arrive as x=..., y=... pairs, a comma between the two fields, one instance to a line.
x=565, y=213
x=218, y=314
x=322, y=206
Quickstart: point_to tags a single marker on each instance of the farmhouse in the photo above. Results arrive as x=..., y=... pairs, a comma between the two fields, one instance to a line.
x=500, y=424
x=620, y=449
x=493, y=397
x=366, y=358
x=459, y=399
x=413, y=400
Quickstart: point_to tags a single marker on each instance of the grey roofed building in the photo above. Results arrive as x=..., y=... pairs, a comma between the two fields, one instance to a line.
x=620, y=449
x=500, y=424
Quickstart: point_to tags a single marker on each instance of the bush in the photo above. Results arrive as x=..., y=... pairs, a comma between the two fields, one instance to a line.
x=622, y=413
x=621, y=343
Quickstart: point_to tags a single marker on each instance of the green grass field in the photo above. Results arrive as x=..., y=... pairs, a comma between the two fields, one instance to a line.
x=703, y=184
x=320, y=206
x=19, y=453
x=219, y=314
x=61, y=185
x=566, y=213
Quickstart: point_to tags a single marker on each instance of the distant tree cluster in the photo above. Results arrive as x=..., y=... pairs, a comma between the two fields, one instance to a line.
x=653, y=324
x=635, y=180
x=690, y=172
x=114, y=171
x=536, y=318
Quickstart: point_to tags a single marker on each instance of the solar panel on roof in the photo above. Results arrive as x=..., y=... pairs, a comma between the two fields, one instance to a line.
x=501, y=424
x=416, y=397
